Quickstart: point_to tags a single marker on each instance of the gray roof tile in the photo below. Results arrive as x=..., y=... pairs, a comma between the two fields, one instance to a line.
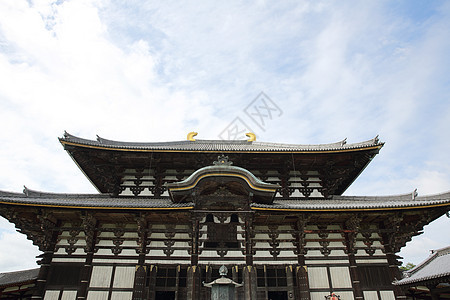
x=359, y=202
x=437, y=265
x=18, y=277
x=31, y=197
x=219, y=145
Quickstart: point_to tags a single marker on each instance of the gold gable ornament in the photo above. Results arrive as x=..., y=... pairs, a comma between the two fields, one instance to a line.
x=251, y=136
x=190, y=136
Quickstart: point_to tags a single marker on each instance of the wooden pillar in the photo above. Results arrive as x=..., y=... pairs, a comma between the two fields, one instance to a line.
x=391, y=229
x=249, y=235
x=301, y=272
x=194, y=238
x=193, y=271
x=235, y=277
x=434, y=293
x=139, y=283
x=351, y=228
x=302, y=282
x=89, y=224
x=152, y=282
x=41, y=280
x=193, y=283
x=250, y=283
x=290, y=281
x=85, y=276
x=46, y=242
x=395, y=274
x=140, y=277
x=355, y=277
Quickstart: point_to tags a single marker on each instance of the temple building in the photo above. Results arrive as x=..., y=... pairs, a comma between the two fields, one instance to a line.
x=168, y=215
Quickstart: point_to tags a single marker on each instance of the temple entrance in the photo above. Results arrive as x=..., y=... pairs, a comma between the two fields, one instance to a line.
x=271, y=295
x=159, y=295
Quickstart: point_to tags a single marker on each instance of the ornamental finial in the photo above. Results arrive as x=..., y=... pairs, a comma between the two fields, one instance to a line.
x=190, y=136
x=251, y=136
x=222, y=160
x=223, y=271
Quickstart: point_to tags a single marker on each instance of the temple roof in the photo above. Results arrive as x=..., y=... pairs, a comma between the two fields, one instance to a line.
x=218, y=145
x=18, y=277
x=436, y=266
x=336, y=203
x=146, y=168
x=88, y=201
x=404, y=201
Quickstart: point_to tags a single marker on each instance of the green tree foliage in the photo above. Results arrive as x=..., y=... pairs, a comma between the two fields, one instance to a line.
x=407, y=267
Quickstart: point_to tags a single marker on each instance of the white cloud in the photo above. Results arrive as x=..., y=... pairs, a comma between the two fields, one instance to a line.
x=17, y=252
x=150, y=72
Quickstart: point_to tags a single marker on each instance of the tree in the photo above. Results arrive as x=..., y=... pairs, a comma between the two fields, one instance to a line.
x=407, y=267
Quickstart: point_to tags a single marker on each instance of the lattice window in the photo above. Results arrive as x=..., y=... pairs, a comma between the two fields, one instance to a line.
x=374, y=276
x=67, y=275
x=271, y=277
x=166, y=277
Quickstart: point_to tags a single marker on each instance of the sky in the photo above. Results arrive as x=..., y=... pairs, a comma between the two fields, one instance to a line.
x=155, y=70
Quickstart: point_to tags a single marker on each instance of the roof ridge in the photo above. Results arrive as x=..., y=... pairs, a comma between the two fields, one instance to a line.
x=40, y=194
x=246, y=145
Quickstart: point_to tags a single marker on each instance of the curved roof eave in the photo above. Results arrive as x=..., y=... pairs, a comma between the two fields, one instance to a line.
x=218, y=171
x=218, y=146
x=337, y=203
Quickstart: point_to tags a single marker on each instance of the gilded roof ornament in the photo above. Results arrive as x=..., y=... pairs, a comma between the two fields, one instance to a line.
x=251, y=136
x=222, y=160
x=190, y=136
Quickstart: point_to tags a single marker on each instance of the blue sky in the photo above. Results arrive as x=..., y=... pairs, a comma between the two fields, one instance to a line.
x=156, y=71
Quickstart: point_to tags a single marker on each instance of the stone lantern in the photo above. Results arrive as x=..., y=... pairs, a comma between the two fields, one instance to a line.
x=222, y=288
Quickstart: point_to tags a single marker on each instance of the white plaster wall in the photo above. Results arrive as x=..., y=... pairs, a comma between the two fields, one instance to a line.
x=154, y=252
x=121, y=295
x=286, y=261
x=157, y=235
x=69, y=295
x=108, y=243
x=116, y=261
x=261, y=245
x=182, y=253
x=319, y=295
x=287, y=254
x=285, y=236
x=318, y=277
x=345, y=295
x=313, y=245
x=329, y=262
x=101, y=276
x=129, y=244
x=387, y=295
x=371, y=261
x=51, y=295
x=337, y=252
x=68, y=259
x=370, y=295
x=313, y=253
x=124, y=277
x=97, y=295
x=261, y=236
x=340, y=277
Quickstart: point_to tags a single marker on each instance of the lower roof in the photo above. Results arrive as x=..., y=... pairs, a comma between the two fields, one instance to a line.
x=336, y=203
x=18, y=277
x=436, y=266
